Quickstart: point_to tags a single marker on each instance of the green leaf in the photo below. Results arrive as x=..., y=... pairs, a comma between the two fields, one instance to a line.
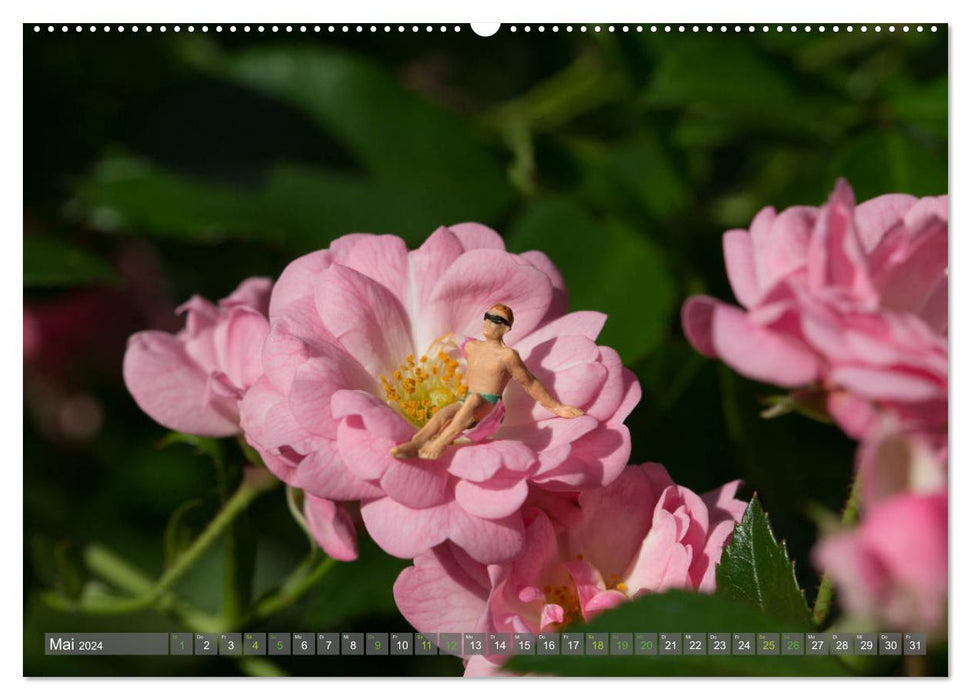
x=823, y=51
x=923, y=104
x=681, y=611
x=727, y=72
x=396, y=135
x=754, y=567
x=50, y=262
x=393, y=132
x=608, y=267
x=583, y=86
x=296, y=207
x=639, y=169
x=131, y=195
x=892, y=161
x=732, y=82
x=311, y=206
x=809, y=402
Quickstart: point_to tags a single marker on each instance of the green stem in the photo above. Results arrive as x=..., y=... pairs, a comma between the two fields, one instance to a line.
x=251, y=455
x=733, y=419
x=102, y=605
x=584, y=85
x=255, y=482
x=824, y=598
x=145, y=592
x=238, y=566
x=295, y=504
x=112, y=568
x=851, y=512
x=236, y=595
x=125, y=577
x=305, y=577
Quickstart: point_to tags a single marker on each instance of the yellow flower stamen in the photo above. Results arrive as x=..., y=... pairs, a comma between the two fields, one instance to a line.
x=420, y=388
x=566, y=597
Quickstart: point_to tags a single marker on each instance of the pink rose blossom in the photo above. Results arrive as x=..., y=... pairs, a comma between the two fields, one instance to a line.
x=193, y=381
x=331, y=525
x=852, y=298
x=352, y=325
x=892, y=569
x=640, y=534
x=891, y=463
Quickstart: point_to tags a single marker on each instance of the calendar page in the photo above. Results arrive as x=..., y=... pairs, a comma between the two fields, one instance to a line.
x=558, y=349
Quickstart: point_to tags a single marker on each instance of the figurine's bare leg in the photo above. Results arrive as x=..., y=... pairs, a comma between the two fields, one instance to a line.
x=433, y=448
x=409, y=450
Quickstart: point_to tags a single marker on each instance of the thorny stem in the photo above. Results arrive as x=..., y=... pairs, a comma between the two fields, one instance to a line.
x=824, y=598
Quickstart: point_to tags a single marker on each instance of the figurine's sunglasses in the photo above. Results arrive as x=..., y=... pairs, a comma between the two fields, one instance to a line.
x=495, y=318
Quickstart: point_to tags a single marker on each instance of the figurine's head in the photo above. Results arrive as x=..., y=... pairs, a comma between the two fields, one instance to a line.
x=498, y=321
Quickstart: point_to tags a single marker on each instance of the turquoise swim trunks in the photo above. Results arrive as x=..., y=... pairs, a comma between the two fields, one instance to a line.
x=491, y=398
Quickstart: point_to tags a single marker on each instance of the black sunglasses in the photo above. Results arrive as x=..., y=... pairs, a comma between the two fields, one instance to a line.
x=497, y=319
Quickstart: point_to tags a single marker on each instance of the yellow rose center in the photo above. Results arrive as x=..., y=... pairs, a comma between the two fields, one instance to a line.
x=422, y=386
x=565, y=595
x=563, y=592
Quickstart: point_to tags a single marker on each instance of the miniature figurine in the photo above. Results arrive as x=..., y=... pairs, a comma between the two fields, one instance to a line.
x=491, y=363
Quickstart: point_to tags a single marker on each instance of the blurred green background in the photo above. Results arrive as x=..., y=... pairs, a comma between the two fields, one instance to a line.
x=158, y=166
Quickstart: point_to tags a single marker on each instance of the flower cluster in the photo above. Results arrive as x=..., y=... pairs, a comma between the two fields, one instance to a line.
x=851, y=301
x=357, y=346
x=539, y=522
x=354, y=348
x=364, y=347
x=582, y=555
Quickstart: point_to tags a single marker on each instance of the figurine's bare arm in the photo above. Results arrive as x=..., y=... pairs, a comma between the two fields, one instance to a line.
x=517, y=370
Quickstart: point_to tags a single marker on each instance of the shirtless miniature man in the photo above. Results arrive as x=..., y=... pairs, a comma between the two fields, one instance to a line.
x=491, y=363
